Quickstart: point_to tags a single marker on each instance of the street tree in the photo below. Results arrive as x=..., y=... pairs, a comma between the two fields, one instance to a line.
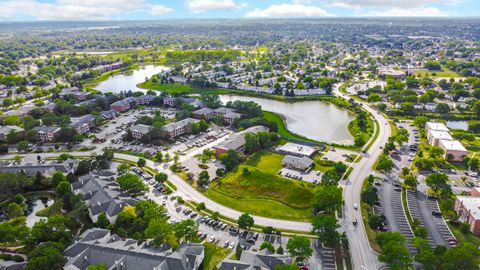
x=325, y=226
x=299, y=246
x=245, y=221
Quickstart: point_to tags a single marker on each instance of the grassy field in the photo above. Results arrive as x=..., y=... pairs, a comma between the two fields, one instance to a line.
x=269, y=162
x=261, y=192
x=213, y=255
x=366, y=134
x=445, y=73
x=178, y=88
x=322, y=165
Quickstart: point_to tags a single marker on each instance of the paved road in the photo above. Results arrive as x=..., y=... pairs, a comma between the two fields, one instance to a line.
x=363, y=257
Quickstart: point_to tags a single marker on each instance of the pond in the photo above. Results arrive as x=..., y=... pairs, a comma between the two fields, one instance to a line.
x=316, y=120
x=463, y=125
x=129, y=80
x=34, y=205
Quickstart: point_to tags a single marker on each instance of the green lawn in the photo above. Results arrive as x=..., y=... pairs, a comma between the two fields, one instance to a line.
x=175, y=88
x=262, y=192
x=322, y=165
x=445, y=73
x=213, y=256
x=268, y=162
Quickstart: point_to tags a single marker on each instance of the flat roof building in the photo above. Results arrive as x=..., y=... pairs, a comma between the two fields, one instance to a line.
x=296, y=149
x=468, y=208
x=434, y=137
x=435, y=126
x=454, y=150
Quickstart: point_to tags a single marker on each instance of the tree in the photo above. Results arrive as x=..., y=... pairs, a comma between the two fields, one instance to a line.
x=267, y=245
x=325, y=226
x=465, y=257
x=327, y=198
x=46, y=256
x=203, y=178
x=22, y=146
x=100, y=266
x=370, y=195
x=299, y=246
x=123, y=168
x=186, y=229
x=201, y=207
x=132, y=184
x=385, y=164
x=14, y=210
x=437, y=181
x=102, y=221
x=394, y=253
x=375, y=221
x=238, y=251
x=435, y=152
x=245, y=221
x=280, y=250
x=63, y=188
x=230, y=159
x=141, y=162
x=158, y=230
x=161, y=177
x=442, y=108
x=57, y=178
x=411, y=181
x=53, y=229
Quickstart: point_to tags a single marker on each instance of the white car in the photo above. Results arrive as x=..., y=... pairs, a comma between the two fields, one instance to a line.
x=212, y=239
x=355, y=206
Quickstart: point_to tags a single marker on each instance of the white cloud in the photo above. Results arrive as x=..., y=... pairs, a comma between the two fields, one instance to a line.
x=289, y=10
x=412, y=12
x=74, y=9
x=160, y=10
x=211, y=5
x=405, y=4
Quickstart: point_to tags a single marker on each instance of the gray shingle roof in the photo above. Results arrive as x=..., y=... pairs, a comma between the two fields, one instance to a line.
x=100, y=246
x=301, y=163
x=179, y=124
x=236, y=141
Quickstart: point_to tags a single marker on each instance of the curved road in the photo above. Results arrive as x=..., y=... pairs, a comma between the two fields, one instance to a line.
x=363, y=257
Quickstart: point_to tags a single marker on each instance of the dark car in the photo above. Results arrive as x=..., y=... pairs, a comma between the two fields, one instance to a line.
x=436, y=213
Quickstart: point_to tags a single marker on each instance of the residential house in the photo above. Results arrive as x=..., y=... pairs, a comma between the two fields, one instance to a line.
x=140, y=130
x=97, y=246
x=108, y=114
x=102, y=194
x=236, y=142
x=83, y=124
x=178, y=128
x=250, y=260
x=204, y=113
x=145, y=99
x=46, y=134
x=468, y=209
x=124, y=104
x=5, y=130
x=47, y=169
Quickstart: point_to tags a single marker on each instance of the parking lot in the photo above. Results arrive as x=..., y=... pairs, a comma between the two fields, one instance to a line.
x=336, y=155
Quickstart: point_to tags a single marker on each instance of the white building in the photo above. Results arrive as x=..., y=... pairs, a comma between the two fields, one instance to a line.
x=434, y=137
x=454, y=150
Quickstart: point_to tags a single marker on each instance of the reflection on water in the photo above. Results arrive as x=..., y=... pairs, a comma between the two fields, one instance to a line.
x=463, y=125
x=33, y=206
x=315, y=120
x=129, y=80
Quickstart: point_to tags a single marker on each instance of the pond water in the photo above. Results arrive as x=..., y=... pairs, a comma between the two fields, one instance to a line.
x=463, y=125
x=34, y=205
x=129, y=80
x=316, y=120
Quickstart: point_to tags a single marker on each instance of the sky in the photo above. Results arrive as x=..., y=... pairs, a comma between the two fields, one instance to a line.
x=106, y=10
